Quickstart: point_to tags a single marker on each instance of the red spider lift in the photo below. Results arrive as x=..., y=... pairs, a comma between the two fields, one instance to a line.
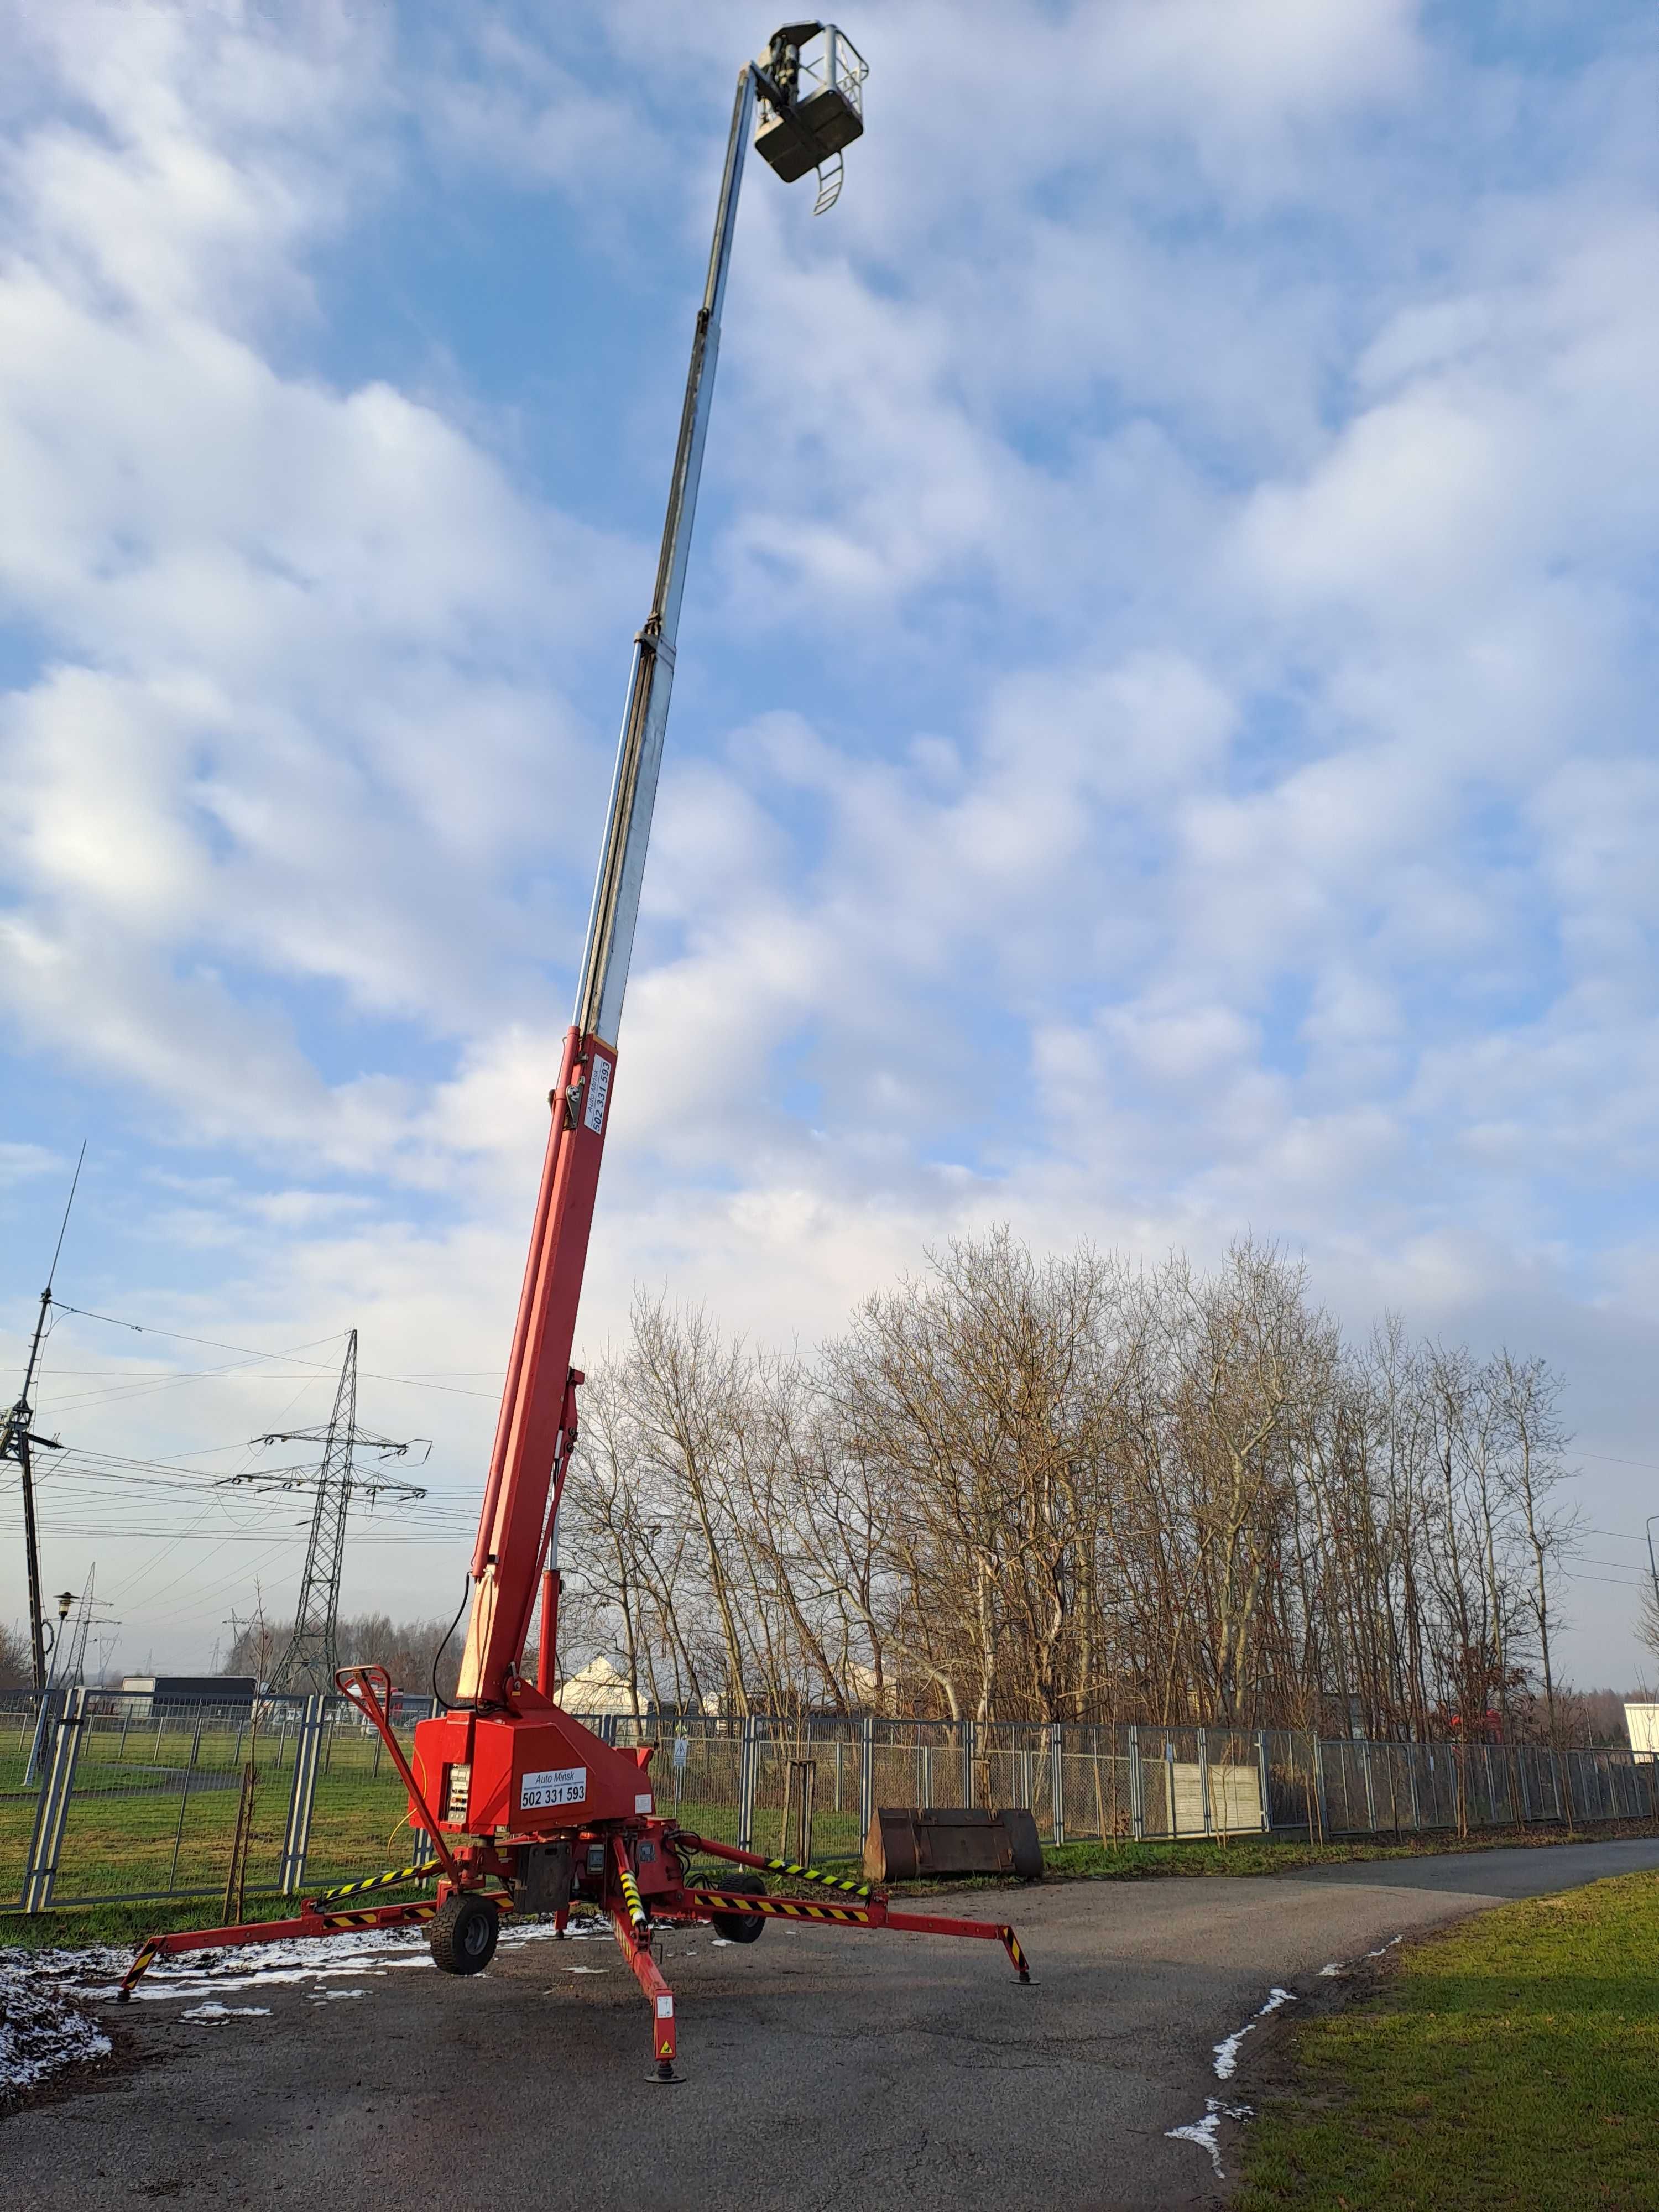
x=526, y=1810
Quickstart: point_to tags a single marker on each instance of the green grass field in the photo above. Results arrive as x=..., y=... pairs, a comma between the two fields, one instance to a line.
x=1512, y=2062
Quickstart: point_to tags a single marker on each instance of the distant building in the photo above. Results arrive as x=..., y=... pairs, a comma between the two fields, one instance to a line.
x=601, y=1687
x=1641, y=1725
x=171, y=1690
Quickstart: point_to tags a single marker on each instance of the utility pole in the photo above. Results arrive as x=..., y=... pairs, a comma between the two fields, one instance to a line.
x=310, y=1658
x=17, y=1442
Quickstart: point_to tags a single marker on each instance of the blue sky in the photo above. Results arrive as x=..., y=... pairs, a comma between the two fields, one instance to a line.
x=1162, y=740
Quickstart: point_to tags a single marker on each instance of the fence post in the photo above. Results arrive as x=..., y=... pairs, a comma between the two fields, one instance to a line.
x=968, y=1747
x=53, y=1811
x=866, y=1774
x=1370, y=1790
x=184, y=1801
x=1319, y=1789
x=1057, y=1783
x=1136, y=1808
x=1204, y=1781
x=1171, y=1809
x=746, y=1758
x=1261, y=1769
x=45, y=1707
x=301, y=1797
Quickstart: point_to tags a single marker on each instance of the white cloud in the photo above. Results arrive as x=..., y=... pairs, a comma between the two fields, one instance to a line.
x=1160, y=736
x=267, y=749
x=19, y=1162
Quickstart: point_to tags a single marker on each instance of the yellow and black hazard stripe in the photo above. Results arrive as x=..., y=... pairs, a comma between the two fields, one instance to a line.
x=636, y=1910
x=1016, y=1956
x=378, y=1881
x=419, y=1909
x=817, y=1874
x=136, y=1972
x=782, y=1908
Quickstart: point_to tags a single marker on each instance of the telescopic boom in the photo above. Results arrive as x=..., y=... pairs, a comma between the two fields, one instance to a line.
x=537, y=1417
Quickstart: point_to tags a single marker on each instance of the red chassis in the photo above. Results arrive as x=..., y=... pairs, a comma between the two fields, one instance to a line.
x=635, y=1867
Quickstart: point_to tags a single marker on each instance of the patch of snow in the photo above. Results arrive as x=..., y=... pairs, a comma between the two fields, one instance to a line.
x=1204, y=2132
x=1341, y=1966
x=328, y=1996
x=41, y=2028
x=274, y=1966
x=93, y=1972
x=226, y=2012
x=1226, y=2053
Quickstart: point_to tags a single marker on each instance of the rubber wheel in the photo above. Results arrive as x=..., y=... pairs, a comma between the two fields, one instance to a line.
x=740, y=1927
x=462, y=1937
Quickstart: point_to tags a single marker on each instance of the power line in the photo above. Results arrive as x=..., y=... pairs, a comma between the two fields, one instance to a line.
x=187, y=1373
x=249, y=1351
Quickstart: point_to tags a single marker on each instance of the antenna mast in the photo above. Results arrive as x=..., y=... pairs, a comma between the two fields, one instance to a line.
x=17, y=1441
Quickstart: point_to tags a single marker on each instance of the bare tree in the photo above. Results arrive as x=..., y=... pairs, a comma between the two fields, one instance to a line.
x=1063, y=1486
x=1528, y=1395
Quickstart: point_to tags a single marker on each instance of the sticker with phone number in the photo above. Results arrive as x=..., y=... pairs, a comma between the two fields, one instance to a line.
x=554, y=1785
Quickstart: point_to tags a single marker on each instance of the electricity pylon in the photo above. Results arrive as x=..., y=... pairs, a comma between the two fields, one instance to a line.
x=86, y=1608
x=310, y=1658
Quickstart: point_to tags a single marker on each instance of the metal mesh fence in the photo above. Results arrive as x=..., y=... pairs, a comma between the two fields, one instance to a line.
x=114, y=1794
x=1094, y=1784
x=1011, y=1767
x=697, y=1773
x=360, y=1809
x=806, y=1789
x=156, y=1790
x=20, y=1794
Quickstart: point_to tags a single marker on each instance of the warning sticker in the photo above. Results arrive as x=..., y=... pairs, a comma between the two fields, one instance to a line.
x=598, y=1089
x=554, y=1785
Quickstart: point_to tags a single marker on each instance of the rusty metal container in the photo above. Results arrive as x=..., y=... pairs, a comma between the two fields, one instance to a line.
x=905, y=1842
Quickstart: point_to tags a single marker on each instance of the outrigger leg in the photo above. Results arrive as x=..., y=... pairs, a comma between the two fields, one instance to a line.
x=312, y=1920
x=868, y=1907
x=632, y=1931
x=649, y=1975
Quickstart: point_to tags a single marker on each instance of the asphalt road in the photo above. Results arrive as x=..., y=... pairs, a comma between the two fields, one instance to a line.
x=823, y=2070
